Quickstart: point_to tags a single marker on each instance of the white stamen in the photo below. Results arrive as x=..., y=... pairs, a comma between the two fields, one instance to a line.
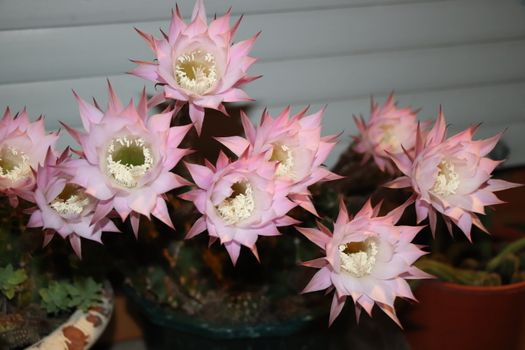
x=447, y=180
x=196, y=71
x=14, y=164
x=71, y=202
x=358, y=258
x=283, y=154
x=239, y=206
x=389, y=139
x=127, y=160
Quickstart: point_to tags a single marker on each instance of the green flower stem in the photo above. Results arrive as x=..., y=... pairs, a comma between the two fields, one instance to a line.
x=448, y=273
x=512, y=248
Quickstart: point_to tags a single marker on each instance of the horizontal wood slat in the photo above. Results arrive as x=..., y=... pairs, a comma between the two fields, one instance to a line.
x=499, y=107
x=318, y=80
x=22, y=14
x=64, y=53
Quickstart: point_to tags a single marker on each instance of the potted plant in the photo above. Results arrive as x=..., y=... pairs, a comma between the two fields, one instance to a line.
x=49, y=300
x=252, y=203
x=481, y=281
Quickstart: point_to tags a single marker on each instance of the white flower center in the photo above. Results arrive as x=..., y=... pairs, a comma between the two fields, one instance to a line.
x=14, y=164
x=389, y=139
x=128, y=159
x=358, y=258
x=196, y=71
x=71, y=201
x=447, y=180
x=283, y=155
x=239, y=206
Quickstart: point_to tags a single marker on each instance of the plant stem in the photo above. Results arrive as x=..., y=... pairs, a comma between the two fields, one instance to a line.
x=509, y=249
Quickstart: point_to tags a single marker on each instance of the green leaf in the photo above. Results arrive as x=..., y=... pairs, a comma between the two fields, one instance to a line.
x=11, y=280
x=66, y=295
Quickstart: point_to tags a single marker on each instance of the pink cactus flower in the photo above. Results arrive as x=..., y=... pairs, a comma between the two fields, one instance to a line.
x=198, y=64
x=367, y=258
x=23, y=146
x=239, y=202
x=295, y=144
x=127, y=157
x=64, y=207
x=388, y=131
x=450, y=176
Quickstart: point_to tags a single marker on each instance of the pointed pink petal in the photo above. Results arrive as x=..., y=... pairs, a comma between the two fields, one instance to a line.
x=48, y=237
x=321, y=280
x=421, y=211
x=304, y=202
x=249, y=129
x=160, y=211
x=147, y=38
x=197, y=117
x=317, y=263
x=199, y=11
x=88, y=114
x=35, y=220
x=114, y=104
x=314, y=235
x=335, y=309
x=222, y=161
x=74, y=240
x=432, y=218
x=177, y=25
x=236, y=144
x=160, y=122
x=202, y=176
x=134, y=218
x=233, y=249
x=439, y=131
x=145, y=70
x=400, y=182
x=465, y=224
x=496, y=185
x=342, y=217
x=391, y=312
x=236, y=95
x=102, y=210
x=488, y=145
x=242, y=48
x=255, y=253
x=198, y=227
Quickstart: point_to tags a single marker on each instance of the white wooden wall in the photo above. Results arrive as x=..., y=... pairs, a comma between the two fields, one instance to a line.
x=467, y=55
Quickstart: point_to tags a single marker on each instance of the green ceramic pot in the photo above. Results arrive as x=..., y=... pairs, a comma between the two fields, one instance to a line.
x=174, y=320
x=170, y=330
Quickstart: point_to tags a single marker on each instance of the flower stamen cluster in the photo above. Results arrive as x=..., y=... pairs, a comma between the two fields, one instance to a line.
x=71, y=201
x=239, y=206
x=358, y=258
x=447, y=180
x=128, y=159
x=284, y=156
x=196, y=71
x=390, y=140
x=14, y=164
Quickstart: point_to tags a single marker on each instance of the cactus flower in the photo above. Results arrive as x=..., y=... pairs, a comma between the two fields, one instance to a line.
x=368, y=258
x=198, y=64
x=388, y=131
x=23, y=147
x=295, y=143
x=239, y=201
x=64, y=207
x=450, y=176
x=127, y=157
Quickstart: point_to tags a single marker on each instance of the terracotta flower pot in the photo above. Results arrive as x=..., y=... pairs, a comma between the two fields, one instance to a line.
x=82, y=330
x=452, y=316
